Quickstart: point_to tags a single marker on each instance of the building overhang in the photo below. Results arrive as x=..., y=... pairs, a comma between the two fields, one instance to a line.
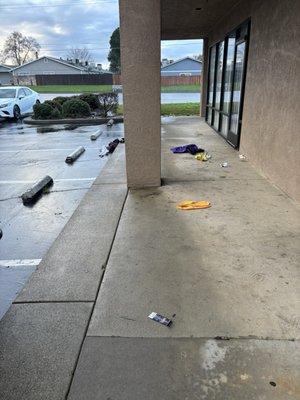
x=192, y=19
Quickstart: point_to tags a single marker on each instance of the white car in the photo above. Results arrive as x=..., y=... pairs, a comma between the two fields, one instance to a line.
x=16, y=101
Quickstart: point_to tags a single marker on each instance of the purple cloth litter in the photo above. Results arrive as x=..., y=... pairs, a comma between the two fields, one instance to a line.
x=188, y=148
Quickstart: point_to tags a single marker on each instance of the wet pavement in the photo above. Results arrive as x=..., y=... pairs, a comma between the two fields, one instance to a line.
x=26, y=155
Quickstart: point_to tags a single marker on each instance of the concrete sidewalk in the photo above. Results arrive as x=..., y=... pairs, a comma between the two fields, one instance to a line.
x=227, y=276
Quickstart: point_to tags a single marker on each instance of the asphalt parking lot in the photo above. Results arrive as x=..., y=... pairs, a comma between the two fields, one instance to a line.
x=26, y=155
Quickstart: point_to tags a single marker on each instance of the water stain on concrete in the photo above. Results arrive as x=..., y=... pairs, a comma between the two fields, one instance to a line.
x=211, y=354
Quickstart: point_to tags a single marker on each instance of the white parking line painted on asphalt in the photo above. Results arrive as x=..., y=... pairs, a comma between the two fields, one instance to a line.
x=20, y=263
x=55, y=180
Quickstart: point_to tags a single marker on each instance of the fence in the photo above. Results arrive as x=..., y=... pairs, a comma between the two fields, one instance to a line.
x=25, y=80
x=80, y=79
x=169, y=80
x=180, y=80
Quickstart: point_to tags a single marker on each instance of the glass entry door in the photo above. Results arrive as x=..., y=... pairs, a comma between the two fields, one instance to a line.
x=236, y=95
x=226, y=81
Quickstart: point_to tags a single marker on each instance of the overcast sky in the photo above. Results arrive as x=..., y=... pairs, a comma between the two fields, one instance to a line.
x=75, y=23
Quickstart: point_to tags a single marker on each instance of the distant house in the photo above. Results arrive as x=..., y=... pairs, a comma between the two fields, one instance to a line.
x=187, y=66
x=53, y=71
x=166, y=61
x=47, y=66
x=5, y=75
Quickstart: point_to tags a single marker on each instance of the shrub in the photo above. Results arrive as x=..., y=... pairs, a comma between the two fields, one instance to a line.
x=75, y=109
x=108, y=103
x=91, y=99
x=45, y=111
x=61, y=99
x=54, y=104
x=55, y=114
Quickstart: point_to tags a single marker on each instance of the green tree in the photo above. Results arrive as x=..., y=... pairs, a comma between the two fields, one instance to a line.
x=114, y=56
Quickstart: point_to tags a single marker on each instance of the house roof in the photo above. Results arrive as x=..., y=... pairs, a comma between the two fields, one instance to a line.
x=181, y=59
x=50, y=58
x=5, y=66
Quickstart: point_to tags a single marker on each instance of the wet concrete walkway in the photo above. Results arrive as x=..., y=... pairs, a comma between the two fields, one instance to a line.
x=227, y=276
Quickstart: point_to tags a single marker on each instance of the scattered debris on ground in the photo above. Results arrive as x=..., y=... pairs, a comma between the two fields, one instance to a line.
x=111, y=147
x=188, y=148
x=193, y=205
x=224, y=164
x=73, y=156
x=242, y=157
x=160, y=319
x=37, y=190
x=193, y=149
x=203, y=156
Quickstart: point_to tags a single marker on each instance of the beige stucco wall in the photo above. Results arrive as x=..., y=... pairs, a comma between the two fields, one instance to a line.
x=140, y=25
x=270, y=134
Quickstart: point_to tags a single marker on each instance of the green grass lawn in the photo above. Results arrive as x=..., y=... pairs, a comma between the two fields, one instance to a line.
x=107, y=88
x=175, y=109
x=72, y=88
x=181, y=89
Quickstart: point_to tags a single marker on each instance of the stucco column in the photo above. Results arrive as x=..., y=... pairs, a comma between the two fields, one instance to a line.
x=204, y=77
x=140, y=27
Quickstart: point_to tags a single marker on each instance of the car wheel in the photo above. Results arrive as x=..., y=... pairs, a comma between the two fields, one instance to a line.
x=17, y=112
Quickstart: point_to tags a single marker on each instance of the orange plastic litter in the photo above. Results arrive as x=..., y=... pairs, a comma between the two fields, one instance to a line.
x=193, y=205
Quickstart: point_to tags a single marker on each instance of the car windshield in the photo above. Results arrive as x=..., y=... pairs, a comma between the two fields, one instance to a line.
x=7, y=93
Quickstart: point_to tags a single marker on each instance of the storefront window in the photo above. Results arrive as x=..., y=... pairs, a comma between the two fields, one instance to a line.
x=219, y=74
x=228, y=74
x=225, y=86
x=212, y=75
x=237, y=87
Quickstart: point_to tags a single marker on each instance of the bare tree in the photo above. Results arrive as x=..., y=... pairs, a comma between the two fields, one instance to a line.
x=19, y=48
x=198, y=57
x=2, y=58
x=82, y=54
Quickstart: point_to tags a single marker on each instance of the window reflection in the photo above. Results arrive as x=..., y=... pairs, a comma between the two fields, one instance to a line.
x=219, y=74
x=237, y=87
x=211, y=75
x=228, y=74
